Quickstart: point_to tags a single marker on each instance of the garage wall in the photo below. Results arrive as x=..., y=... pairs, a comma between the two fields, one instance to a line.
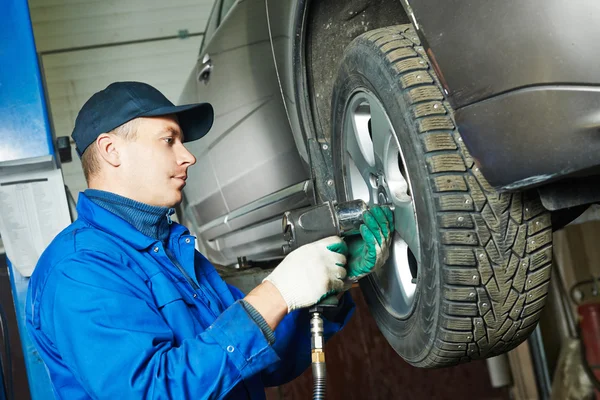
x=68, y=24
x=72, y=77
x=85, y=45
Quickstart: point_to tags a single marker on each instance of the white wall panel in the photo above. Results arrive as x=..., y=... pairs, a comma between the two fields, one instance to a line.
x=66, y=24
x=72, y=77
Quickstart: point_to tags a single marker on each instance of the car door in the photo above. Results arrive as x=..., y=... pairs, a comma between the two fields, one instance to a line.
x=250, y=152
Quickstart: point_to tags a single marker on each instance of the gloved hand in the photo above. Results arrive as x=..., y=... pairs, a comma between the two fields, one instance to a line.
x=371, y=249
x=311, y=272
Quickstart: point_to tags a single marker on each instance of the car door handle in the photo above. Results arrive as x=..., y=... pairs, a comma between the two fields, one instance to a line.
x=205, y=69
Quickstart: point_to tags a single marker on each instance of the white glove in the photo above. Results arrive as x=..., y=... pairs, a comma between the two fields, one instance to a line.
x=310, y=272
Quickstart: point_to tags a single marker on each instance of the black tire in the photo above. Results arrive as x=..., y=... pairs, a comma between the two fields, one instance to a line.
x=485, y=256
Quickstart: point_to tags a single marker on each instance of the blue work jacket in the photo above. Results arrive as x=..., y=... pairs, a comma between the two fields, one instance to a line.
x=113, y=317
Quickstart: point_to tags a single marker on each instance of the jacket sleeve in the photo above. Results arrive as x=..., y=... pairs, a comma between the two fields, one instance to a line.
x=292, y=340
x=114, y=340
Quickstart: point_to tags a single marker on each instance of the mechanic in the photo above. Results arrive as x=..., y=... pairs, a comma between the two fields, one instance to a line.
x=121, y=305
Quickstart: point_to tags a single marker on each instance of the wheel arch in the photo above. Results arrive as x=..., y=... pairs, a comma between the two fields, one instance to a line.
x=298, y=36
x=330, y=26
x=307, y=53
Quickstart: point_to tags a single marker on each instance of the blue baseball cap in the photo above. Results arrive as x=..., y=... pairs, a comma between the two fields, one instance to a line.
x=121, y=102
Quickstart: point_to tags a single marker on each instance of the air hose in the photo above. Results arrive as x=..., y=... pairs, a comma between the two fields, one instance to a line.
x=318, y=356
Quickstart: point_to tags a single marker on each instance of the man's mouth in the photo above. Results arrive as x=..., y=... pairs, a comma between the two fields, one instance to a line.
x=182, y=178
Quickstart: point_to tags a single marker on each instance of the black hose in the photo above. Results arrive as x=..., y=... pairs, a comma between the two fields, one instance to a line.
x=8, y=370
x=319, y=381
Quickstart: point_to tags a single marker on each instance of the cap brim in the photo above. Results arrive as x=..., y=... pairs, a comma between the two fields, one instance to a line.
x=195, y=120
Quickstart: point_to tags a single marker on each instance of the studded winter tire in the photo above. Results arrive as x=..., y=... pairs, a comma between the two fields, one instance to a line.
x=468, y=274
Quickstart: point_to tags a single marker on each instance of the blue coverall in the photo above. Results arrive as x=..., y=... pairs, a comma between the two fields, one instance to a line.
x=113, y=317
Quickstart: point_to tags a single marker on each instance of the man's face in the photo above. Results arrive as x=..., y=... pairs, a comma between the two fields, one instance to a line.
x=155, y=163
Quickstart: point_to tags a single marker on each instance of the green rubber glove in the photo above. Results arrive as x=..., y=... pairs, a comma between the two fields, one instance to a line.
x=370, y=250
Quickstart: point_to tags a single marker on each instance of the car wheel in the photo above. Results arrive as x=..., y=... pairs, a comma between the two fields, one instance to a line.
x=468, y=273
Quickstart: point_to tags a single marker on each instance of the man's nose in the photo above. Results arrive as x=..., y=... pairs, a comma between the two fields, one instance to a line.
x=185, y=157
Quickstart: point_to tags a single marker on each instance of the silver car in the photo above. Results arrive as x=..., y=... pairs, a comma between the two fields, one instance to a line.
x=339, y=100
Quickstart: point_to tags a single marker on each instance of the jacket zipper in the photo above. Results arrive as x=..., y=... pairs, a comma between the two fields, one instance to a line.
x=175, y=262
x=180, y=268
x=170, y=212
x=194, y=285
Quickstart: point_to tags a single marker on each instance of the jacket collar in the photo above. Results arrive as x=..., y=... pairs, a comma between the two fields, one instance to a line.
x=116, y=226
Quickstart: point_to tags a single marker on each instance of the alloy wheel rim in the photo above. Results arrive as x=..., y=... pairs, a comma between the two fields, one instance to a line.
x=374, y=171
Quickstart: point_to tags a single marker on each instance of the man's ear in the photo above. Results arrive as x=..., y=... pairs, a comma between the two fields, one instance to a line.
x=107, y=146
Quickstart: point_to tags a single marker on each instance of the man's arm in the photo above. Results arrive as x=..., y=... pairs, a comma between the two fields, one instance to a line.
x=114, y=339
x=303, y=278
x=292, y=338
x=267, y=300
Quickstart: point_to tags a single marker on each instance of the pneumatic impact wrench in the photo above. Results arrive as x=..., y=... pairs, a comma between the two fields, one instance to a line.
x=305, y=226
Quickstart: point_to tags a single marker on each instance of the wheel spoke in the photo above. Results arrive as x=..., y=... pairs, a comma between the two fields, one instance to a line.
x=356, y=156
x=355, y=148
x=381, y=134
x=357, y=134
x=406, y=227
x=397, y=184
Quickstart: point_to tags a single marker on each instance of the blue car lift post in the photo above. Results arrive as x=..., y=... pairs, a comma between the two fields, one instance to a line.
x=25, y=140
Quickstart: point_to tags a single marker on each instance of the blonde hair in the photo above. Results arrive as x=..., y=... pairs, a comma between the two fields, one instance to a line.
x=90, y=160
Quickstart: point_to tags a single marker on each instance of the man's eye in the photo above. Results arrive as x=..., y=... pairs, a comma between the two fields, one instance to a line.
x=169, y=140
